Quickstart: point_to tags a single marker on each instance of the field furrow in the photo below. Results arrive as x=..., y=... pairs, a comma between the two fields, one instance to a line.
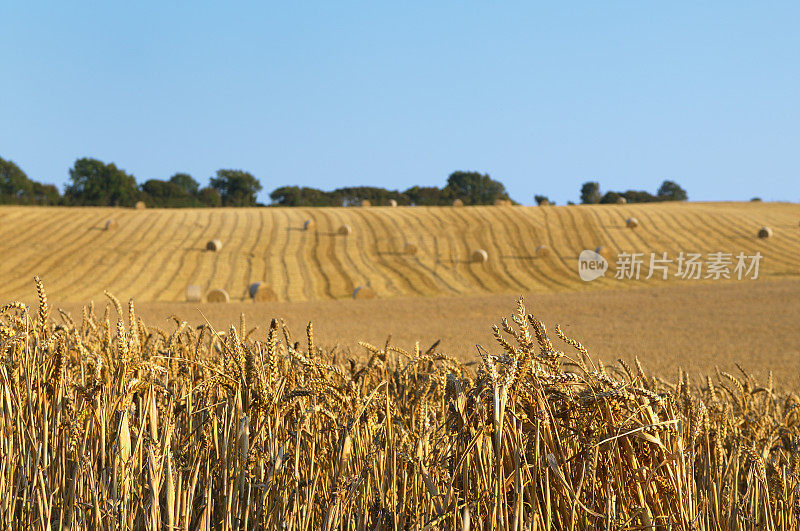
x=154, y=254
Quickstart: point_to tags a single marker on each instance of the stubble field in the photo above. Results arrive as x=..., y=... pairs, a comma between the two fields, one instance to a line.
x=154, y=254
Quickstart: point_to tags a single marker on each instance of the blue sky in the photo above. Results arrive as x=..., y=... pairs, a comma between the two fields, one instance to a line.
x=330, y=94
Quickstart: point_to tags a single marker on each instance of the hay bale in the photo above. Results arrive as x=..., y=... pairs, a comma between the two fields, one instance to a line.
x=261, y=292
x=458, y=203
x=194, y=293
x=392, y=203
x=218, y=295
x=214, y=245
x=410, y=248
x=345, y=230
x=502, y=202
x=112, y=224
x=631, y=223
x=605, y=252
x=364, y=292
x=542, y=251
x=309, y=224
x=765, y=232
x=621, y=200
x=480, y=256
x=140, y=205
x=366, y=203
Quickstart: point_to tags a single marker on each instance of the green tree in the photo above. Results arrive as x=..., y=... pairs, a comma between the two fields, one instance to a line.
x=671, y=191
x=97, y=183
x=185, y=182
x=304, y=196
x=542, y=200
x=209, y=197
x=15, y=187
x=236, y=187
x=426, y=196
x=167, y=194
x=590, y=193
x=640, y=196
x=45, y=194
x=474, y=188
x=610, y=198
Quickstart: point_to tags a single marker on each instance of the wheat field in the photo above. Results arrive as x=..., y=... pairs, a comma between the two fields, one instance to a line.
x=155, y=254
x=131, y=426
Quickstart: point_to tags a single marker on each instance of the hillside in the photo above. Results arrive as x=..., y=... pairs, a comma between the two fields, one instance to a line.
x=154, y=254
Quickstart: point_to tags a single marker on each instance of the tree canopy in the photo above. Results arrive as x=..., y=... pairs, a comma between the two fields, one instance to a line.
x=668, y=191
x=590, y=193
x=236, y=187
x=99, y=184
x=15, y=187
x=474, y=188
x=185, y=182
x=671, y=191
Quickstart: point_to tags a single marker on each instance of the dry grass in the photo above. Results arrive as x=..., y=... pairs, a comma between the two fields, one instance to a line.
x=107, y=422
x=156, y=253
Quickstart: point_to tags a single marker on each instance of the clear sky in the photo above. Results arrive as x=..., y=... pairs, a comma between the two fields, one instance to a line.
x=329, y=94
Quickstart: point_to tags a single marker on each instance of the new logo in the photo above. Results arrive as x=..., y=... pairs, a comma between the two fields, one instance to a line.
x=591, y=265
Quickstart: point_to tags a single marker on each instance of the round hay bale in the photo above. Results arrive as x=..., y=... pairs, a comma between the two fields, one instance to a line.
x=261, y=292
x=458, y=203
x=765, y=232
x=140, y=205
x=410, y=248
x=218, y=295
x=364, y=292
x=543, y=251
x=345, y=230
x=309, y=224
x=605, y=252
x=393, y=203
x=480, y=256
x=194, y=293
x=366, y=203
x=112, y=224
x=502, y=202
x=214, y=245
x=621, y=200
x=631, y=223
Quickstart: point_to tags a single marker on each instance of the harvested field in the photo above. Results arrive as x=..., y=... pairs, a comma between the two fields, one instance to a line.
x=156, y=253
x=695, y=327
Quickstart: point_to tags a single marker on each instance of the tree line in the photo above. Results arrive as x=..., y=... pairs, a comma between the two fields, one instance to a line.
x=668, y=191
x=95, y=183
